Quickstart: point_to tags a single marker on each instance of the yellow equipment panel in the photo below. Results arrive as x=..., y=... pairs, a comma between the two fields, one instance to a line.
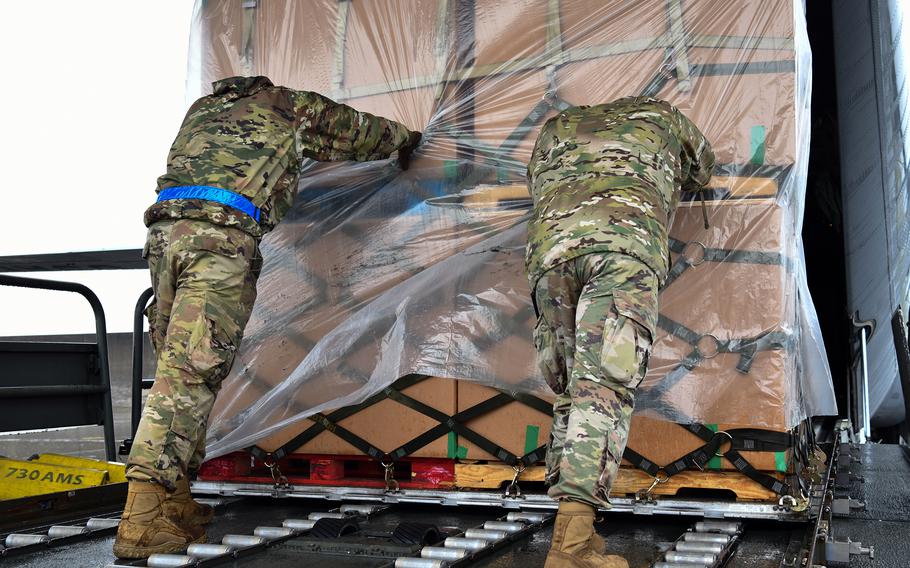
x=37, y=477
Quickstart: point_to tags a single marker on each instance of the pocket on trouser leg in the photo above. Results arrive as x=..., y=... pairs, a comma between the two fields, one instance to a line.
x=156, y=335
x=178, y=448
x=211, y=350
x=549, y=359
x=625, y=351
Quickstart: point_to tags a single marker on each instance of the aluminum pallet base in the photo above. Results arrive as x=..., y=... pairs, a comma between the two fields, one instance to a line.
x=662, y=506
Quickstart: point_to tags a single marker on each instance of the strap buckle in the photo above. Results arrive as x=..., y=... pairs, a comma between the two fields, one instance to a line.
x=645, y=494
x=278, y=478
x=391, y=484
x=513, y=490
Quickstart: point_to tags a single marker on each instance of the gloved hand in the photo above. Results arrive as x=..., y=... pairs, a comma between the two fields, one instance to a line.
x=404, y=153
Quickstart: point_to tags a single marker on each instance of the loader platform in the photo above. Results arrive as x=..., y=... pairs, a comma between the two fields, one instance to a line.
x=859, y=518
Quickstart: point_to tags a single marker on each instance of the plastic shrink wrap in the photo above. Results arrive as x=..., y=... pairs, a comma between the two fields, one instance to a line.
x=377, y=274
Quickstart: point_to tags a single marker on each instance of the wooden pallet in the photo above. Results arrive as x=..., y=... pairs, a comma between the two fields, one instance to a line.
x=628, y=482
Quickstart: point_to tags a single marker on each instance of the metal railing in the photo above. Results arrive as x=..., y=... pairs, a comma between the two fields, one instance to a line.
x=137, y=383
x=48, y=391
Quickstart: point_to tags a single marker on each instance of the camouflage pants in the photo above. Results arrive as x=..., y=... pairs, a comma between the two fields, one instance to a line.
x=204, y=278
x=593, y=339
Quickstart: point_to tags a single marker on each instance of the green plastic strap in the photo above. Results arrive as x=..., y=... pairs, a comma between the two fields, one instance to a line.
x=713, y=463
x=531, y=434
x=758, y=145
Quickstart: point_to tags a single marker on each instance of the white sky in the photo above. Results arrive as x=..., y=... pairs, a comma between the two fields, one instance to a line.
x=92, y=97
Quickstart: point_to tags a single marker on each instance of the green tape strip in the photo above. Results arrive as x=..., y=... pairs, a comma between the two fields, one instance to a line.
x=780, y=461
x=453, y=445
x=454, y=450
x=532, y=433
x=758, y=145
x=713, y=463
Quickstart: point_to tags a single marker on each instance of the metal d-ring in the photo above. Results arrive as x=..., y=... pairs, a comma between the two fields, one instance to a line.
x=712, y=354
x=697, y=261
x=728, y=435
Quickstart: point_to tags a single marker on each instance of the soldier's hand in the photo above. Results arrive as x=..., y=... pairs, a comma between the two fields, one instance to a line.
x=404, y=153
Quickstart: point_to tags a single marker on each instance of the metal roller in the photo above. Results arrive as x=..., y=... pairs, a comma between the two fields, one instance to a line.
x=98, y=523
x=208, y=550
x=691, y=557
x=320, y=515
x=299, y=524
x=355, y=509
x=242, y=540
x=717, y=526
x=211, y=502
x=485, y=534
x=503, y=526
x=525, y=517
x=408, y=562
x=169, y=561
x=442, y=553
x=272, y=533
x=14, y=540
x=706, y=537
x=60, y=531
x=471, y=544
x=707, y=547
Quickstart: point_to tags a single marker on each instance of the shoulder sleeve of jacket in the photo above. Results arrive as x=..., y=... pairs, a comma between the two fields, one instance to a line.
x=330, y=131
x=541, y=146
x=697, y=151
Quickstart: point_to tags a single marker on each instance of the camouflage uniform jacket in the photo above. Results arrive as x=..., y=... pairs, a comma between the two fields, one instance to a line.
x=250, y=136
x=607, y=178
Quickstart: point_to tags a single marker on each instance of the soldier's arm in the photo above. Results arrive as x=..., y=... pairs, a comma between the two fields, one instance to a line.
x=699, y=153
x=330, y=131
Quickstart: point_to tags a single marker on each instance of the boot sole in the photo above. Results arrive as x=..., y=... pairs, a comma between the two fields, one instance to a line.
x=134, y=552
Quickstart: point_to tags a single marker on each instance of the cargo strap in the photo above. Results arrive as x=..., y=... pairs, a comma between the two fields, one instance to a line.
x=746, y=439
x=684, y=262
x=455, y=423
x=746, y=348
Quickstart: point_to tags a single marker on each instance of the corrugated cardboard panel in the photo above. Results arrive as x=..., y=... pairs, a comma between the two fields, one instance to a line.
x=387, y=424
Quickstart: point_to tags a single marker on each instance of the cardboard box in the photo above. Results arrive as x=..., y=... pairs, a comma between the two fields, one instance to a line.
x=386, y=425
x=520, y=429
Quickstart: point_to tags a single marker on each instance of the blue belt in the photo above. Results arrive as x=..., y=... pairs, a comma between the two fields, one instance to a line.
x=216, y=194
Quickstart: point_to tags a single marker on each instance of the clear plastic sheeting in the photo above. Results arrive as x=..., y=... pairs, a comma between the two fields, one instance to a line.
x=378, y=273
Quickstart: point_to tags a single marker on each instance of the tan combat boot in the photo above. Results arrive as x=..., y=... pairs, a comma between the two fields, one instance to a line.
x=191, y=512
x=574, y=542
x=150, y=526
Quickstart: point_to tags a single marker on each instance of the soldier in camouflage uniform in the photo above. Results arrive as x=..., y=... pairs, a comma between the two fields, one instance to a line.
x=231, y=176
x=605, y=181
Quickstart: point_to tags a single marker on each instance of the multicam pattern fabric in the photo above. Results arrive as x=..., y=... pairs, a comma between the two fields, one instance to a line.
x=593, y=340
x=607, y=178
x=204, y=278
x=250, y=136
